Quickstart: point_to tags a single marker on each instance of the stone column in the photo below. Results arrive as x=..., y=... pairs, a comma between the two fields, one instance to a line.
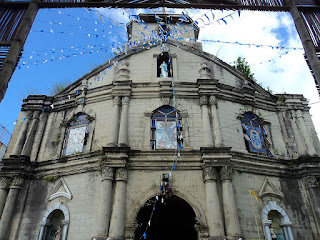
x=206, y=126
x=297, y=137
x=266, y=226
x=22, y=135
x=41, y=231
x=46, y=135
x=102, y=224
x=286, y=138
x=8, y=211
x=313, y=193
x=114, y=131
x=116, y=231
x=214, y=211
x=216, y=125
x=4, y=184
x=123, y=132
x=39, y=135
x=229, y=204
x=65, y=229
x=26, y=151
x=310, y=148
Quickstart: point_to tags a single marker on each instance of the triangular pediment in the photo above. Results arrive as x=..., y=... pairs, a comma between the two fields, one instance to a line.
x=269, y=189
x=60, y=190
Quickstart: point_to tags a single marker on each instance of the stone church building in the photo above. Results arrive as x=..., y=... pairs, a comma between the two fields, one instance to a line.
x=164, y=141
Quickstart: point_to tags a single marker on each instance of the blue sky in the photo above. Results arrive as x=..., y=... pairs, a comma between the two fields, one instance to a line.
x=64, y=44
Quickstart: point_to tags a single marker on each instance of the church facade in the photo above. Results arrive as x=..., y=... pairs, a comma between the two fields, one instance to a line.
x=165, y=141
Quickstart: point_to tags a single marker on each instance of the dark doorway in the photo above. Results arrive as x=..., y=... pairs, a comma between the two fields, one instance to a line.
x=172, y=220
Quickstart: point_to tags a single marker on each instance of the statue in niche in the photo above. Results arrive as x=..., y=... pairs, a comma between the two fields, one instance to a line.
x=164, y=69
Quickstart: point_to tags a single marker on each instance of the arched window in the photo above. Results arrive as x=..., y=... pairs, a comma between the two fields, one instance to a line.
x=255, y=135
x=55, y=223
x=166, y=129
x=276, y=223
x=276, y=229
x=164, y=66
x=75, y=139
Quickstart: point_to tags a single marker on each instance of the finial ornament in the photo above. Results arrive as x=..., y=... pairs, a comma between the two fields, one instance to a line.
x=205, y=71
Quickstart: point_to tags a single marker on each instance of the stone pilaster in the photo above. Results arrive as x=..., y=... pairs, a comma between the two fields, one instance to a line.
x=206, y=126
x=26, y=151
x=232, y=223
x=117, y=224
x=123, y=132
x=22, y=135
x=46, y=135
x=300, y=146
x=38, y=136
x=114, y=131
x=8, y=211
x=104, y=214
x=216, y=123
x=307, y=139
x=4, y=185
x=214, y=211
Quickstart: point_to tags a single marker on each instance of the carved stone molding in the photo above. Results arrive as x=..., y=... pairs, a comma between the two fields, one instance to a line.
x=116, y=101
x=17, y=182
x=107, y=173
x=310, y=181
x=4, y=182
x=121, y=174
x=213, y=100
x=225, y=173
x=209, y=173
x=125, y=100
x=203, y=100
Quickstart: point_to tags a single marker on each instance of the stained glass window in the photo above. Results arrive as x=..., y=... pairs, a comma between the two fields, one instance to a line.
x=255, y=135
x=165, y=129
x=76, y=135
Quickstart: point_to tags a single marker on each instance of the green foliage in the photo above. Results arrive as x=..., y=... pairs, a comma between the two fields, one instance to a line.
x=59, y=86
x=50, y=178
x=242, y=65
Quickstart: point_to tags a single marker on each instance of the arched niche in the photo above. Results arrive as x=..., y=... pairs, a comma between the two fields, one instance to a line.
x=273, y=212
x=145, y=199
x=56, y=216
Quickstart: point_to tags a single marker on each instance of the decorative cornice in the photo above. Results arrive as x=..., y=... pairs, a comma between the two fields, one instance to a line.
x=225, y=173
x=121, y=174
x=107, y=173
x=209, y=173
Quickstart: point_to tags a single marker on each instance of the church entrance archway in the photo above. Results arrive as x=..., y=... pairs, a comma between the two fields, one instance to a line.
x=172, y=220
